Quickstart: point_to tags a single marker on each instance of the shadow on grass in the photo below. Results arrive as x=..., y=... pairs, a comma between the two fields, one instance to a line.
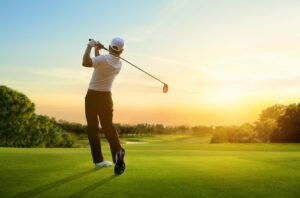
x=92, y=187
x=50, y=186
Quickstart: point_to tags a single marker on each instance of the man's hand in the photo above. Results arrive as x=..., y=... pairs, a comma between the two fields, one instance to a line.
x=92, y=43
x=98, y=47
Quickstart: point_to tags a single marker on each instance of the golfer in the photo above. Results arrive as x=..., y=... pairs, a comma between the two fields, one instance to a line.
x=99, y=104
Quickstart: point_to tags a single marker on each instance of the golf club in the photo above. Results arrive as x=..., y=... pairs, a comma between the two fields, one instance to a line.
x=165, y=87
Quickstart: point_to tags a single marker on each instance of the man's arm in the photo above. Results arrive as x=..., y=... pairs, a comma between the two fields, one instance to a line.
x=87, y=61
x=97, y=49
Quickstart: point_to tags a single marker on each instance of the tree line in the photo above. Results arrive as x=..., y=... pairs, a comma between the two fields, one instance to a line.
x=277, y=123
x=20, y=126
x=127, y=130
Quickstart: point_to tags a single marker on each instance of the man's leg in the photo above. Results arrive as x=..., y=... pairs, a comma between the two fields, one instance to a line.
x=111, y=136
x=106, y=116
x=93, y=127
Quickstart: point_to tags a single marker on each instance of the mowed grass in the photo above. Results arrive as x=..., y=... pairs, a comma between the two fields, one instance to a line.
x=182, y=167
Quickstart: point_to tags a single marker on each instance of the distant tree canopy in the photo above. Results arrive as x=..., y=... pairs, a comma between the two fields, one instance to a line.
x=288, y=129
x=277, y=123
x=72, y=127
x=239, y=134
x=272, y=113
x=138, y=129
x=21, y=127
x=268, y=121
x=264, y=129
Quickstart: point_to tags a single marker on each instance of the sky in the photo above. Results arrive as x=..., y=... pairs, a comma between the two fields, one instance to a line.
x=224, y=60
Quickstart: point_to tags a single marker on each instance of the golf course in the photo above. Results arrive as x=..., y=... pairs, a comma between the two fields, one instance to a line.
x=150, y=99
x=157, y=166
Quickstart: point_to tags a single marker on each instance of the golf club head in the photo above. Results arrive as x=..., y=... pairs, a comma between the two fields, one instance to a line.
x=165, y=88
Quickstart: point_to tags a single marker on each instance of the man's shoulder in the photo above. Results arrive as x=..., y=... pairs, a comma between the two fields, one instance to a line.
x=98, y=60
x=100, y=57
x=115, y=62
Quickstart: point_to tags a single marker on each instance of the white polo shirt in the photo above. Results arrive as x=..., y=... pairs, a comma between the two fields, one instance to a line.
x=106, y=67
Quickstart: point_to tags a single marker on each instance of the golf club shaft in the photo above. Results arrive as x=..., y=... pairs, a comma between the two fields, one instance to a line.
x=142, y=70
x=137, y=67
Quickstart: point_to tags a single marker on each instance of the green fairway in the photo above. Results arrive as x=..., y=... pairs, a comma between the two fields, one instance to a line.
x=183, y=167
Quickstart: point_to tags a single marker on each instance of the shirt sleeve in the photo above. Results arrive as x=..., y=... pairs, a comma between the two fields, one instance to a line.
x=98, y=60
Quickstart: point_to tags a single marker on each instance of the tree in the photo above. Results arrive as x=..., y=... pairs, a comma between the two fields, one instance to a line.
x=273, y=112
x=288, y=125
x=16, y=111
x=21, y=127
x=72, y=127
x=267, y=122
x=246, y=133
x=235, y=134
x=202, y=130
x=265, y=128
x=220, y=135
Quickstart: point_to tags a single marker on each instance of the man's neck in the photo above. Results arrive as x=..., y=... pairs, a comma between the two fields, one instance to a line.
x=113, y=54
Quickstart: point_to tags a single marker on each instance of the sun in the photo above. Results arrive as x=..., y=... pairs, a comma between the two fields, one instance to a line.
x=228, y=94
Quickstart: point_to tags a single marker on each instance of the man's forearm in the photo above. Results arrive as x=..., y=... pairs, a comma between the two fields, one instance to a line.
x=97, y=53
x=87, y=61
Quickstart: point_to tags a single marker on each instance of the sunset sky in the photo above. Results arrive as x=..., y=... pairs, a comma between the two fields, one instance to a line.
x=224, y=60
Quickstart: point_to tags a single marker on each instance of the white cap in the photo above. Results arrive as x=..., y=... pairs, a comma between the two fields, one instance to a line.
x=117, y=44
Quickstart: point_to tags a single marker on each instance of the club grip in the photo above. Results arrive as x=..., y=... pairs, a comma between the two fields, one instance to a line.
x=103, y=46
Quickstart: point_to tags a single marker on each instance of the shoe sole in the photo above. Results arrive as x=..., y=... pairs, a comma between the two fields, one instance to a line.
x=120, y=165
x=102, y=166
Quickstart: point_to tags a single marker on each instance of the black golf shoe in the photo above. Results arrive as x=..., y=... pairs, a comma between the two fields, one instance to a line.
x=120, y=164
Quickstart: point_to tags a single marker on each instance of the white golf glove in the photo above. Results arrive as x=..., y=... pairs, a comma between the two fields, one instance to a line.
x=92, y=43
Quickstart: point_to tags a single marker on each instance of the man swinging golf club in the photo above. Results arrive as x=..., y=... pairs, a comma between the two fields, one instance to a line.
x=99, y=104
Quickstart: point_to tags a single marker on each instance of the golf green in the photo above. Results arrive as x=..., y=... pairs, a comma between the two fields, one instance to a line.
x=179, y=168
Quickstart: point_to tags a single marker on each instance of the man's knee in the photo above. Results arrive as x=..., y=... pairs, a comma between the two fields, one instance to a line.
x=92, y=128
x=108, y=129
x=106, y=124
